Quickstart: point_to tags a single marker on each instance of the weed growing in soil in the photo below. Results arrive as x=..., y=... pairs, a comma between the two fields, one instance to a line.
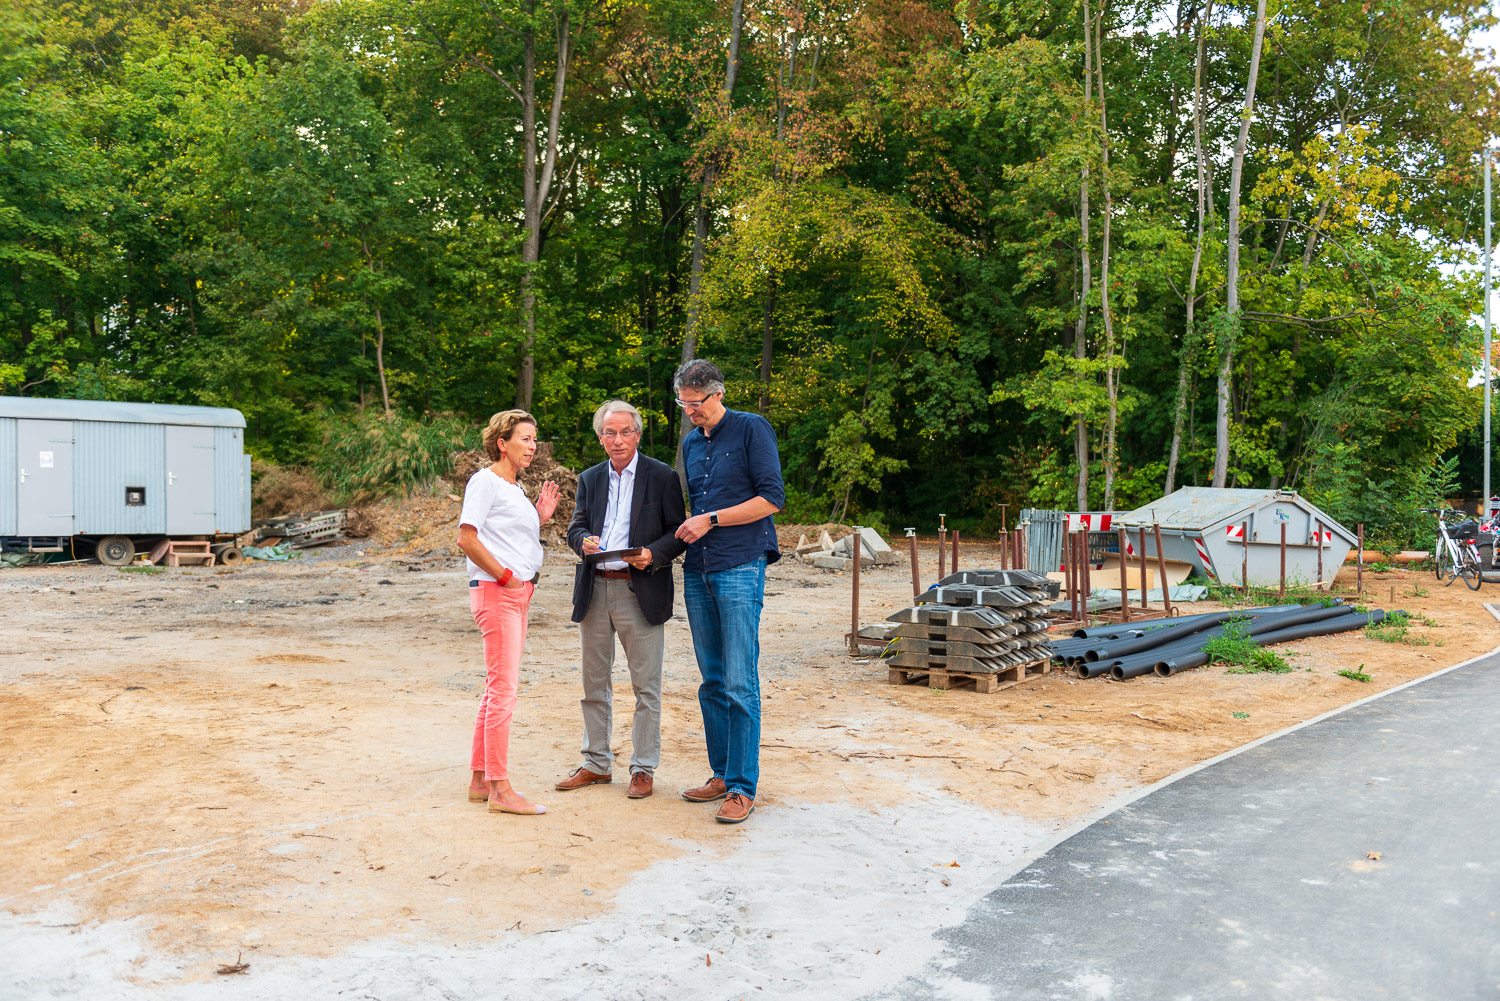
x=1396, y=628
x=1235, y=647
x=1354, y=675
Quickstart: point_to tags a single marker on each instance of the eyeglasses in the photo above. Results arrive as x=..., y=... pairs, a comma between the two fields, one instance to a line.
x=619, y=435
x=695, y=404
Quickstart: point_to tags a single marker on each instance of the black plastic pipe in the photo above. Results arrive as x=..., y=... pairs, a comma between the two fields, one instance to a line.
x=1340, y=624
x=1194, y=644
x=1156, y=637
x=1116, y=629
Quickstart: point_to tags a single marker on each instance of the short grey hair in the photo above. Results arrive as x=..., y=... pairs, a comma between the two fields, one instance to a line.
x=615, y=407
x=699, y=374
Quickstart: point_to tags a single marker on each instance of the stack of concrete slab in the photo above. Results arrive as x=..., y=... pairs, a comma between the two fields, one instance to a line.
x=839, y=555
x=977, y=622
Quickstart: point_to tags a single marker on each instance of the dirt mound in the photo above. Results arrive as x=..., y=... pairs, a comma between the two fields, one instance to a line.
x=281, y=490
x=426, y=523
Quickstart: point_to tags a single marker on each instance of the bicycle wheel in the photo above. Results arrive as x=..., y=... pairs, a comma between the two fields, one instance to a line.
x=1440, y=557
x=1471, y=572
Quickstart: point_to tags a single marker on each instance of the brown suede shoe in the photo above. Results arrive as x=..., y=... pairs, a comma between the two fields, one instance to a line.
x=736, y=809
x=706, y=793
x=640, y=786
x=580, y=777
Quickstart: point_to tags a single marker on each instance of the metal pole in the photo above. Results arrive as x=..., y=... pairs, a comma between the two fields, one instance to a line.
x=1359, y=566
x=955, y=550
x=1245, y=556
x=1488, y=155
x=1023, y=532
x=942, y=549
x=916, y=571
x=1161, y=569
x=859, y=543
x=1319, y=525
x=1005, y=550
x=1075, y=574
x=1084, y=565
x=1124, y=578
x=1141, y=555
x=1283, y=559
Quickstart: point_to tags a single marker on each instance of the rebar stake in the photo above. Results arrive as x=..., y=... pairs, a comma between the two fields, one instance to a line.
x=916, y=571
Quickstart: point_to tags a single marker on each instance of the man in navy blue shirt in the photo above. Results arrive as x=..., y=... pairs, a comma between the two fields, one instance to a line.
x=734, y=488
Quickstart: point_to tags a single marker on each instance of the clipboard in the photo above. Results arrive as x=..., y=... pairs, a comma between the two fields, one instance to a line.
x=613, y=554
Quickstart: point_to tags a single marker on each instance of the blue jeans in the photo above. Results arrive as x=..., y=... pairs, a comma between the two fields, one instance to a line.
x=723, y=611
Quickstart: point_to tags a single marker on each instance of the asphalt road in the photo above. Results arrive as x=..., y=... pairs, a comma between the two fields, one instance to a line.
x=1353, y=859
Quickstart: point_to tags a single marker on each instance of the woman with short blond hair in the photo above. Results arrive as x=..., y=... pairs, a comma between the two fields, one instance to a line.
x=500, y=532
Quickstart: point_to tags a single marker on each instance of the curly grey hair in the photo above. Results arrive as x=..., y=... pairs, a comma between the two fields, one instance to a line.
x=615, y=407
x=699, y=374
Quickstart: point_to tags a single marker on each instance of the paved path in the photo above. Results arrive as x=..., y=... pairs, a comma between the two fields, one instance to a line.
x=1255, y=877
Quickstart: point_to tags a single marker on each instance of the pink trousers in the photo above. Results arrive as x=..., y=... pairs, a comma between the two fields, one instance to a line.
x=501, y=615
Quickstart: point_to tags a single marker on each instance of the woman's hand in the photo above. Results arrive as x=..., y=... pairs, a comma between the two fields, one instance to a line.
x=546, y=501
x=514, y=583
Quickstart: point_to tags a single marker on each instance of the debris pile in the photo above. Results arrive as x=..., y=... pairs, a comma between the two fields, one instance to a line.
x=830, y=555
x=543, y=468
x=976, y=622
x=301, y=531
x=1167, y=646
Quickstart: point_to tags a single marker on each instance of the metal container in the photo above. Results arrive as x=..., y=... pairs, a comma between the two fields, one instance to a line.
x=90, y=468
x=1205, y=527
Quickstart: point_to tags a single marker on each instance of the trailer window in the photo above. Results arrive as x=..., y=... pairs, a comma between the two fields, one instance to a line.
x=135, y=496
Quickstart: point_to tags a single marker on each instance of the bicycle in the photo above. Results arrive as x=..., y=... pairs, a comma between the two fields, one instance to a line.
x=1456, y=553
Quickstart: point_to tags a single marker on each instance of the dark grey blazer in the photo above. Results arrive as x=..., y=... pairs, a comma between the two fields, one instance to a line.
x=656, y=509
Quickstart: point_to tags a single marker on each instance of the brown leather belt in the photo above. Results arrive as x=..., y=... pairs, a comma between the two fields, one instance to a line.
x=613, y=574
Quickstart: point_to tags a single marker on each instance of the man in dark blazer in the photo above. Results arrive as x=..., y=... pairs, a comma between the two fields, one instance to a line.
x=628, y=501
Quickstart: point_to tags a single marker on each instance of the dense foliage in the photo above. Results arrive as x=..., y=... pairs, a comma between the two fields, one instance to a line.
x=929, y=239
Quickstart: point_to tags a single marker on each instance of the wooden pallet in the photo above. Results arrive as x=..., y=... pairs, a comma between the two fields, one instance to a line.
x=194, y=552
x=940, y=678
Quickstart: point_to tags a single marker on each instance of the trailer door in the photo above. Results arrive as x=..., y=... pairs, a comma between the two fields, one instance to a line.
x=44, y=487
x=190, y=480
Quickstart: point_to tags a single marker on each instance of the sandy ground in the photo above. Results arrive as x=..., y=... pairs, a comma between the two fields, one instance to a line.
x=269, y=764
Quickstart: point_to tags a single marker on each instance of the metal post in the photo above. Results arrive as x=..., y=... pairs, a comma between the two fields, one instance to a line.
x=1319, y=525
x=916, y=571
x=942, y=540
x=1074, y=574
x=1161, y=569
x=859, y=544
x=1245, y=556
x=1283, y=559
x=1002, y=516
x=1004, y=550
x=1085, y=564
x=1488, y=155
x=1023, y=532
x=1124, y=578
x=1359, y=566
x=955, y=550
x=1141, y=554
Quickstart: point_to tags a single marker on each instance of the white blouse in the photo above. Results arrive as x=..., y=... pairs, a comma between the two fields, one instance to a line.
x=507, y=523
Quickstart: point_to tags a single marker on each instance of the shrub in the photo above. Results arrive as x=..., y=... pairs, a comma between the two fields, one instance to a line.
x=367, y=455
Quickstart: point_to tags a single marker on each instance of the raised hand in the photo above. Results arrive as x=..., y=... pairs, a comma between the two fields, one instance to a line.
x=546, y=501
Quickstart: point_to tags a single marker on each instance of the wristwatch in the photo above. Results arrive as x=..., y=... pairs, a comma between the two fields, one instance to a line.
x=713, y=518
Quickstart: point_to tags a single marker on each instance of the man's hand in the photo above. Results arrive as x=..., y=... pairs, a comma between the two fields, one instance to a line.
x=546, y=501
x=694, y=528
x=640, y=562
x=590, y=544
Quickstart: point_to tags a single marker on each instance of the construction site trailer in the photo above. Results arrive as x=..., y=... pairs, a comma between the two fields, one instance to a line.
x=93, y=477
x=1219, y=531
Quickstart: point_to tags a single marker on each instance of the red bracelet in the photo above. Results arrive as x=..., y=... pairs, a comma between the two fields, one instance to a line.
x=504, y=577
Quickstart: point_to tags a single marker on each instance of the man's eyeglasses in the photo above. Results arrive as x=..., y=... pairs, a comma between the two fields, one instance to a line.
x=619, y=435
x=695, y=404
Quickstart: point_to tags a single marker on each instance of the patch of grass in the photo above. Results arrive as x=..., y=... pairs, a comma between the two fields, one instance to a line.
x=1241, y=715
x=1396, y=628
x=1235, y=647
x=142, y=569
x=1355, y=674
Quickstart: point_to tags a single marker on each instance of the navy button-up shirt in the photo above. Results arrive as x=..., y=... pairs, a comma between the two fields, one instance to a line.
x=737, y=462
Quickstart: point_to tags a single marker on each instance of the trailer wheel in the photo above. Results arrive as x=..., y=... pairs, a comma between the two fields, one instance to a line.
x=115, y=550
x=229, y=556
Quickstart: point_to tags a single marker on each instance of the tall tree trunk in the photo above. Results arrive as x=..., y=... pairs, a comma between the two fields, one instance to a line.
x=1232, y=272
x=710, y=174
x=536, y=189
x=385, y=393
x=768, y=310
x=1111, y=374
x=1080, y=334
x=1190, y=330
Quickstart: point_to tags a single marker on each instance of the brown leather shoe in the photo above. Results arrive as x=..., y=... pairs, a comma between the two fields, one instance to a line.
x=580, y=777
x=736, y=809
x=640, y=786
x=706, y=793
